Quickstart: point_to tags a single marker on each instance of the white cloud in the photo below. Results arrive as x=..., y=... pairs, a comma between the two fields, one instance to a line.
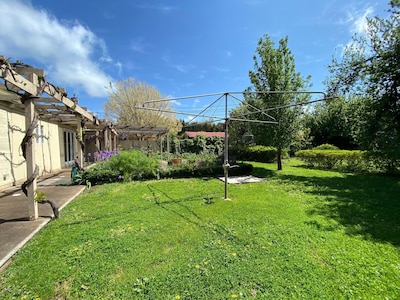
x=360, y=23
x=165, y=9
x=195, y=102
x=219, y=69
x=356, y=21
x=70, y=52
x=138, y=45
x=357, y=18
x=185, y=68
x=176, y=102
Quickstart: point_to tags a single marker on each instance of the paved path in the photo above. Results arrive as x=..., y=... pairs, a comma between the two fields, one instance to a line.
x=15, y=228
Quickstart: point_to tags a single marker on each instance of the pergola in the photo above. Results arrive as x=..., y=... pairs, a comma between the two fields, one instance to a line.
x=26, y=88
x=141, y=133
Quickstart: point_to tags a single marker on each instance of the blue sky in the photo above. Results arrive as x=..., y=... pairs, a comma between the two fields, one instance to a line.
x=182, y=48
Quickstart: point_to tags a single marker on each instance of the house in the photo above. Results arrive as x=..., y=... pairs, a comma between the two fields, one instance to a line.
x=41, y=129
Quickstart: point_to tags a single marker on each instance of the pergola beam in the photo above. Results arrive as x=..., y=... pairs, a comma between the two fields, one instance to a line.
x=28, y=84
x=38, y=86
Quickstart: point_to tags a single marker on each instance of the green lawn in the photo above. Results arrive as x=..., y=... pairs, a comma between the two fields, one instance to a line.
x=301, y=234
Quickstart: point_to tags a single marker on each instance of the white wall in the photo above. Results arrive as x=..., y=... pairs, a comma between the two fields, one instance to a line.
x=49, y=147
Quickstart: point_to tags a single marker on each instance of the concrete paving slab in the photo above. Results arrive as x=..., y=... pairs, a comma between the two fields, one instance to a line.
x=15, y=228
x=242, y=179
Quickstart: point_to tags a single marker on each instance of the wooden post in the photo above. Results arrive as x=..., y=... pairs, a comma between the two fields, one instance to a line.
x=33, y=212
x=79, y=150
x=97, y=141
x=114, y=141
x=106, y=142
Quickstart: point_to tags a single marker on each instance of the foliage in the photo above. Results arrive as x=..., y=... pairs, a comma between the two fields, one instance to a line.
x=126, y=96
x=198, y=144
x=127, y=165
x=208, y=126
x=255, y=153
x=301, y=234
x=343, y=160
x=302, y=140
x=370, y=67
x=104, y=154
x=335, y=122
x=101, y=173
x=326, y=147
x=274, y=70
x=134, y=165
x=191, y=171
x=40, y=196
x=383, y=163
x=199, y=165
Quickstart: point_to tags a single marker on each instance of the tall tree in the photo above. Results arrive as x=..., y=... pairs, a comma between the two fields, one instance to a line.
x=125, y=99
x=370, y=67
x=333, y=122
x=274, y=70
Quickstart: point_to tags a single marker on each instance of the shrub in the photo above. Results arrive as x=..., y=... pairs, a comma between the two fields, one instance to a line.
x=101, y=173
x=134, y=165
x=383, y=163
x=326, y=147
x=255, y=153
x=127, y=165
x=198, y=144
x=190, y=170
x=343, y=160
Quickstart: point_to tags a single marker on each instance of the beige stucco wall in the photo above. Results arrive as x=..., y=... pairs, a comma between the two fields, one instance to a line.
x=12, y=165
x=49, y=149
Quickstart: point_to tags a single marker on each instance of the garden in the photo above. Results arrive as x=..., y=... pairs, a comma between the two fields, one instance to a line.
x=303, y=233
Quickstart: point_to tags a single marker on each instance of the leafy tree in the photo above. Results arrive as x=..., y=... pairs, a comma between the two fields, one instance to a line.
x=370, y=66
x=274, y=70
x=334, y=122
x=208, y=126
x=126, y=96
x=238, y=129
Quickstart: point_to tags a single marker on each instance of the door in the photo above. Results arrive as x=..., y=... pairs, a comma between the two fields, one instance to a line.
x=69, y=147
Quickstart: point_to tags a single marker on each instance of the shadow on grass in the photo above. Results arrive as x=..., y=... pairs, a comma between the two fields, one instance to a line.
x=367, y=205
x=263, y=172
x=175, y=206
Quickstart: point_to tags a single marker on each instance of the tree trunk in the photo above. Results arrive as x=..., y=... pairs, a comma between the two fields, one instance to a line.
x=279, y=158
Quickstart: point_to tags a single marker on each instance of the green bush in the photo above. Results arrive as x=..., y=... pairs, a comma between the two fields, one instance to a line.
x=101, y=173
x=134, y=165
x=343, y=160
x=383, y=163
x=198, y=144
x=189, y=170
x=255, y=153
x=199, y=165
x=326, y=147
x=126, y=166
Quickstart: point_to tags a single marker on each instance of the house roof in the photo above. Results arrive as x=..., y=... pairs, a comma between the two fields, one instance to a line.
x=192, y=134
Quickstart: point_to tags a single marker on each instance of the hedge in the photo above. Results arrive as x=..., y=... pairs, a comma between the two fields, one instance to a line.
x=344, y=160
x=134, y=165
x=255, y=153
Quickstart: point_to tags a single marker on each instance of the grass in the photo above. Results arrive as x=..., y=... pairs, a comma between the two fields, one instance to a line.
x=302, y=234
